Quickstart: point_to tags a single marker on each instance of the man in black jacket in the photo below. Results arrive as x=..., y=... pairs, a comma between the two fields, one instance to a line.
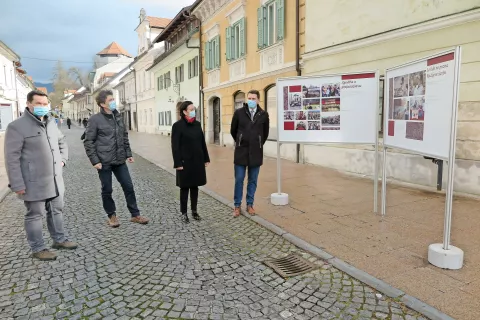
x=249, y=129
x=108, y=148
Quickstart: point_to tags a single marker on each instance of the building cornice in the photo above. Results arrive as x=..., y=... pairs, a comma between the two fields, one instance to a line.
x=424, y=27
x=208, y=9
x=252, y=77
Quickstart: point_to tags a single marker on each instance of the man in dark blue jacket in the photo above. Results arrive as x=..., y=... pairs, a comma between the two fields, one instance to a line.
x=249, y=129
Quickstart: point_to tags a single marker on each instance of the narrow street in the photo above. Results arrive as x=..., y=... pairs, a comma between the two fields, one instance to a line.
x=210, y=269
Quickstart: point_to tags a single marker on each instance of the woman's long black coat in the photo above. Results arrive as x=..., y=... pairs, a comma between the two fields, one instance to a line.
x=190, y=152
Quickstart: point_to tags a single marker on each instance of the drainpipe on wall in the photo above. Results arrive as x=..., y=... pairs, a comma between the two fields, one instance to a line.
x=16, y=89
x=297, y=55
x=136, y=104
x=200, y=70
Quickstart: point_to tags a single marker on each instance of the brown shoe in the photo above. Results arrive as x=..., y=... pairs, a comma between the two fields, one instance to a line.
x=45, y=255
x=140, y=220
x=250, y=210
x=113, y=222
x=67, y=245
x=236, y=212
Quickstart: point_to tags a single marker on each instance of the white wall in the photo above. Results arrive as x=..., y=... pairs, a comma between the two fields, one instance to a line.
x=189, y=88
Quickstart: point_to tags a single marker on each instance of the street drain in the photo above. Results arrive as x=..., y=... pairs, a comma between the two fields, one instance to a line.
x=290, y=266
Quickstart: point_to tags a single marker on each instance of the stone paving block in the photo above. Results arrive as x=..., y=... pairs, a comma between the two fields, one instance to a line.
x=210, y=269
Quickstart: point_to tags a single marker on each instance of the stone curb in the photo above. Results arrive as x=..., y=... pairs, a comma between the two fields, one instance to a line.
x=381, y=286
x=4, y=192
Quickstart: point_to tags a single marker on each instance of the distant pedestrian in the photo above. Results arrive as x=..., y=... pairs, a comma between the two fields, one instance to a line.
x=250, y=128
x=35, y=154
x=190, y=157
x=79, y=121
x=85, y=122
x=69, y=123
x=108, y=148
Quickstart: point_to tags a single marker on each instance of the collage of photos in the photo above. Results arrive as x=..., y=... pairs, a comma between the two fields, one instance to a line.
x=407, y=103
x=312, y=107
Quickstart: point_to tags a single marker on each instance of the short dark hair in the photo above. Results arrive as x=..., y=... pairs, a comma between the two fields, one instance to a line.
x=33, y=93
x=102, y=96
x=184, y=107
x=254, y=92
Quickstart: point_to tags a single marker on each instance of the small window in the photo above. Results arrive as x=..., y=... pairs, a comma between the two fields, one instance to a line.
x=271, y=24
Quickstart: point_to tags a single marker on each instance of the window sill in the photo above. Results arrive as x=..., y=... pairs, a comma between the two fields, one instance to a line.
x=212, y=70
x=276, y=44
x=237, y=59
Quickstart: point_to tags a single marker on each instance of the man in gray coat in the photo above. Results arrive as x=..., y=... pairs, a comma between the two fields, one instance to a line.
x=35, y=154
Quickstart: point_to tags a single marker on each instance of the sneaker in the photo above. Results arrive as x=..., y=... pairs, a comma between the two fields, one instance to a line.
x=113, y=222
x=67, y=245
x=185, y=218
x=139, y=220
x=45, y=255
x=196, y=216
x=236, y=212
x=250, y=210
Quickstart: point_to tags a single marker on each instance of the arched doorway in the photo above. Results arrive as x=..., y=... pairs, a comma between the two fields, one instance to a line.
x=238, y=100
x=271, y=108
x=216, y=120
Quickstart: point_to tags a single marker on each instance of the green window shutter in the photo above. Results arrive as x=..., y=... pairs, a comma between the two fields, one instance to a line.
x=207, y=55
x=280, y=19
x=217, y=52
x=228, y=48
x=242, y=41
x=260, y=26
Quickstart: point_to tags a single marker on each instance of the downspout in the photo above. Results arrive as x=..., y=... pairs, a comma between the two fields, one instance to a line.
x=16, y=89
x=200, y=70
x=136, y=104
x=297, y=55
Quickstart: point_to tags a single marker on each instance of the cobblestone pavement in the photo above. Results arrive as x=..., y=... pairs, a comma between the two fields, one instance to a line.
x=210, y=269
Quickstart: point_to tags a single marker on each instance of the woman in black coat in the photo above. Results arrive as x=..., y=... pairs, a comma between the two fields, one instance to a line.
x=190, y=157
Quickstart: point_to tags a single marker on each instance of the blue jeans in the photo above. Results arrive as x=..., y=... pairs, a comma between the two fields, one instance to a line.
x=240, y=172
x=123, y=177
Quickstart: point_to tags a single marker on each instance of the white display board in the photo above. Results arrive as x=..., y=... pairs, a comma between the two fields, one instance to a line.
x=419, y=105
x=328, y=109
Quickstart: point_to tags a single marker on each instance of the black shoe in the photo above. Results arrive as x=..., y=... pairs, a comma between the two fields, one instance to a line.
x=185, y=218
x=196, y=216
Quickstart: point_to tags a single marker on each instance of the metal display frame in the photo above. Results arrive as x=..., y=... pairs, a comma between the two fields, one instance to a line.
x=457, y=51
x=376, y=151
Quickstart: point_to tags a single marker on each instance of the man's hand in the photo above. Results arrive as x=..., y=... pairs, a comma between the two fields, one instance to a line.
x=21, y=192
x=98, y=166
x=130, y=160
x=179, y=168
x=206, y=164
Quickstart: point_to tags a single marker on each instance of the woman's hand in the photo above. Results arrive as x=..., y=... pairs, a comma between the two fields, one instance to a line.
x=179, y=168
x=206, y=164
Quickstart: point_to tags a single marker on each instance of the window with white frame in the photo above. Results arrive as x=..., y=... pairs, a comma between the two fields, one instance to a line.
x=236, y=40
x=271, y=23
x=166, y=80
x=193, y=68
x=179, y=73
x=212, y=53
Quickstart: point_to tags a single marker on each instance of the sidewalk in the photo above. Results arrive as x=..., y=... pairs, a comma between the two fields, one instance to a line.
x=3, y=174
x=334, y=211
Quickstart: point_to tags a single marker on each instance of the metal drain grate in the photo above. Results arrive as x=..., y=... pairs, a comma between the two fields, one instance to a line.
x=290, y=266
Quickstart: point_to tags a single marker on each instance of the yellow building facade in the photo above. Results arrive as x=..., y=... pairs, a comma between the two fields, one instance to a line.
x=245, y=45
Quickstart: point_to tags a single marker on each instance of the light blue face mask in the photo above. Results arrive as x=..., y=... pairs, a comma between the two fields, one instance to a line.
x=252, y=104
x=41, y=111
x=112, y=105
x=192, y=114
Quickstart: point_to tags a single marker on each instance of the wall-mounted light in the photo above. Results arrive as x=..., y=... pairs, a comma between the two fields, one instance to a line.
x=170, y=99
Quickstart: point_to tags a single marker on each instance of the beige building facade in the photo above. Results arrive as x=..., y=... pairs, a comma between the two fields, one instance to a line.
x=373, y=35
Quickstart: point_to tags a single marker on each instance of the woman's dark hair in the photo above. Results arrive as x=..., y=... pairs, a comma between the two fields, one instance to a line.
x=184, y=107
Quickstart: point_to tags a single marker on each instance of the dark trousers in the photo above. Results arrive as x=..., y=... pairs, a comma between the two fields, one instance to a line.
x=184, y=199
x=68, y=126
x=123, y=177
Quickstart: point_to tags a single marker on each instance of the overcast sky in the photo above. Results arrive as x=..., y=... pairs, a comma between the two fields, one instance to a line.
x=73, y=30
